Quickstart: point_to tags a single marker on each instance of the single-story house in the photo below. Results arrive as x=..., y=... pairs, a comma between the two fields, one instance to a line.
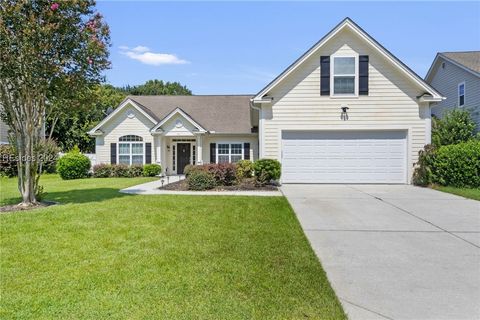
x=346, y=111
x=457, y=76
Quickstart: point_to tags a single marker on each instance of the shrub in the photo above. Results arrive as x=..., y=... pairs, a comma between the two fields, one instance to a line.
x=120, y=171
x=73, y=165
x=135, y=170
x=458, y=165
x=102, y=170
x=225, y=174
x=244, y=169
x=456, y=126
x=200, y=180
x=190, y=168
x=151, y=170
x=267, y=170
x=48, y=154
x=8, y=163
x=423, y=172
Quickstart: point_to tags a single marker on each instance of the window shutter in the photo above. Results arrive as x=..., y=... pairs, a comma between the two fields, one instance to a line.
x=148, y=152
x=363, y=75
x=325, y=75
x=213, y=154
x=246, y=151
x=113, y=153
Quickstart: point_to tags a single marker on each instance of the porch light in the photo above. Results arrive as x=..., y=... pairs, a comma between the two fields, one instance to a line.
x=344, y=115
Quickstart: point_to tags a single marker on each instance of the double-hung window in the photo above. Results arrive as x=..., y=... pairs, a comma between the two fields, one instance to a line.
x=229, y=152
x=344, y=75
x=130, y=150
x=461, y=94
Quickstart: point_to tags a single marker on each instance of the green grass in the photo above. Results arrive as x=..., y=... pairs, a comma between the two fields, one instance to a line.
x=464, y=192
x=102, y=254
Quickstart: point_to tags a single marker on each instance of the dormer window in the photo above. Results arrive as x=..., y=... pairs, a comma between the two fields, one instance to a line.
x=344, y=76
x=461, y=94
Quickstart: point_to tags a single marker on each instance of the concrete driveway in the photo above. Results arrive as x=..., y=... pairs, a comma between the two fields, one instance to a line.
x=394, y=251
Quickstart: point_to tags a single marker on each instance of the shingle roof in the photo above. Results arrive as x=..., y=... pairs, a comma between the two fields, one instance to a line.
x=468, y=59
x=219, y=113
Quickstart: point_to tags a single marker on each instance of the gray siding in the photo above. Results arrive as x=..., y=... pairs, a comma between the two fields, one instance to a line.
x=446, y=81
x=3, y=132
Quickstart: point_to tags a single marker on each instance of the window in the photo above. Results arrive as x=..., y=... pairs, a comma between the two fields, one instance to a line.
x=344, y=73
x=130, y=152
x=229, y=152
x=193, y=155
x=173, y=157
x=461, y=94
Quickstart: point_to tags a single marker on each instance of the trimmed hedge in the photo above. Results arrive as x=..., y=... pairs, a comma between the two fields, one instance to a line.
x=244, y=169
x=199, y=180
x=73, y=165
x=223, y=173
x=267, y=170
x=102, y=170
x=456, y=165
x=151, y=170
x=8, y=163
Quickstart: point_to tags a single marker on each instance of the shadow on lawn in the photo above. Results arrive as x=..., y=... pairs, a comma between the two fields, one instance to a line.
x=78, y=196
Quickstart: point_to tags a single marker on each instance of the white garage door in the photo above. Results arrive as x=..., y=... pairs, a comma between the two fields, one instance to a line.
x=344, y=157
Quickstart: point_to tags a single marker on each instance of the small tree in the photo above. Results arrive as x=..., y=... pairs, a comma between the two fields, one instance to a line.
x=456, y=126
x=50, y=53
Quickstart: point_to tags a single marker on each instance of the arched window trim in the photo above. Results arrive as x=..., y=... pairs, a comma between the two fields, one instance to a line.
x=130, y=138
x=131, y=150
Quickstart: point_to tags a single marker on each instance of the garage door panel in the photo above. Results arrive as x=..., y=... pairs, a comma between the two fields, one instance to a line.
x=344, y=157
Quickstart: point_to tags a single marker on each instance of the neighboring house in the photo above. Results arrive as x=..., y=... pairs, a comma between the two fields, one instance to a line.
x=457, y=76
x=3, y=132
x=347, y=111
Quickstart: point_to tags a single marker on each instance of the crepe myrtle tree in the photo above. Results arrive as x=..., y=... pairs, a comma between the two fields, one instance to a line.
x=51, y=53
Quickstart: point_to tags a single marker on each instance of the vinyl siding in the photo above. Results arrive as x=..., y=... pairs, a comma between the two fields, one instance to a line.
x=446, y=80
x=391, y=103
x=121, y=125
x=3, y=132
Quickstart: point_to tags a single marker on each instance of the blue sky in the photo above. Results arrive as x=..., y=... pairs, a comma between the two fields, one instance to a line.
x=238, y=47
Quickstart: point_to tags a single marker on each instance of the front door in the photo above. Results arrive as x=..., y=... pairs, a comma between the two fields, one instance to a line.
x=183, y=156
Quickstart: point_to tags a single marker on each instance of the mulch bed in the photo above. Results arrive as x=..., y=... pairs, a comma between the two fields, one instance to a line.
x=16, y=207
x=244, y=186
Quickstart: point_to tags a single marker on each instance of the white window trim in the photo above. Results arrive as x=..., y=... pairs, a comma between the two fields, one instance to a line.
x=332, y=75
x=229, y=150
x=130, y=154
x=464, y=93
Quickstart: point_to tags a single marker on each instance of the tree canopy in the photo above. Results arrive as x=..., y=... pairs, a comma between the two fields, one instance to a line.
x=52, y=54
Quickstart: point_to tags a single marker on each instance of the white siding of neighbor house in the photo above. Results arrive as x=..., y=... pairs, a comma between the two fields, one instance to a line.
x=446, y=81
x=3, y=132
x=391, y=103
x=121, y=125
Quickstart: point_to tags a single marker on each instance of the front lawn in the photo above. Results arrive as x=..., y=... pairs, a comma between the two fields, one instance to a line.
x=464, y=192
x=102, y=254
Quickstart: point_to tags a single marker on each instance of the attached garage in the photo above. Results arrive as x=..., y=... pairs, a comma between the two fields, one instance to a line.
x=344, y=157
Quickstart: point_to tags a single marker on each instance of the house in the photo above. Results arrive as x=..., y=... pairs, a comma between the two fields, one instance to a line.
x=457, y=76
x=3, y=132
x=346, y=111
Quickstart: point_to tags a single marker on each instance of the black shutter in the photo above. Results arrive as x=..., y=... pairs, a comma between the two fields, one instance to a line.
x=363, y=76
x=246, y=151
x=113, y=153
x=213, y=154
x=325, y=75
x=148, y=152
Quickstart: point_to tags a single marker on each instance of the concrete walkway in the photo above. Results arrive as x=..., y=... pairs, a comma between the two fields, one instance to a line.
x=151, y=188
x=394, y=251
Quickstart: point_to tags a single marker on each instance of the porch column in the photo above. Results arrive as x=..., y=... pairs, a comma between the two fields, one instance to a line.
x=199, y=143
x=158, y=148
x=164, y=153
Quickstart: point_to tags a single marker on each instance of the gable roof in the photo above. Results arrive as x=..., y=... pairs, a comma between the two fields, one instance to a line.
x=219, y=113
x=184, y=115
x=349, y=23
x=467, y=60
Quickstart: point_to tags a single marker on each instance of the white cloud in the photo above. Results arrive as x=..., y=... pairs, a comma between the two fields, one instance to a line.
x=146, y=56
